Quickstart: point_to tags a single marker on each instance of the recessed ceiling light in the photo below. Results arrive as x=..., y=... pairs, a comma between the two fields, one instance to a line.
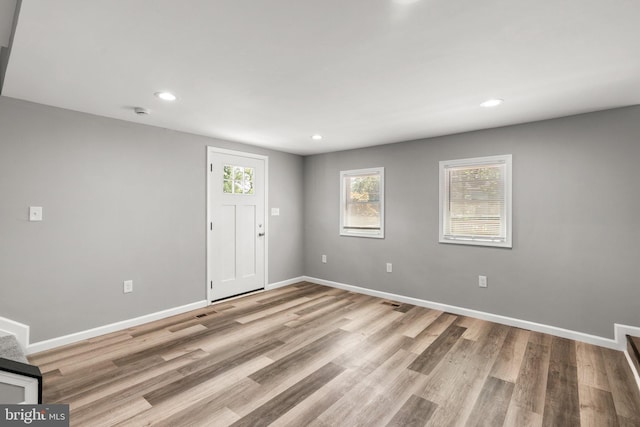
x=492, y=102
x=316, y=137
x=167, y=96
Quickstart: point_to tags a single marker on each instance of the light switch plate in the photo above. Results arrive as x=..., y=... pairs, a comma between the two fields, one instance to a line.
x=482, y=281
x=127, y=286
x=35, y=213
x=275, y=211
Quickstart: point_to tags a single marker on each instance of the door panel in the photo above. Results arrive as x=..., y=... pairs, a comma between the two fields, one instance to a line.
x=227, y=243
x=236, y=257
x=247, y=237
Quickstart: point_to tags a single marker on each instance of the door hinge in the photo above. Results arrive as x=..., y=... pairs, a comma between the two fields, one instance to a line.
x=211, y=167
x=211, y=226
x=211, y=285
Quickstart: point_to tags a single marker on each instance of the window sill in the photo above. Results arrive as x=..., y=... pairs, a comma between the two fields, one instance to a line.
x=360, y=233
x=476, y=242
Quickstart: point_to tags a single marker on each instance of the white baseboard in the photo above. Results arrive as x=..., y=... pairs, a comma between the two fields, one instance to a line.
x=621, y=335
x=616, y=344
x=19, y=330
x=284, y=283
x=113, y=327
x=621, y=332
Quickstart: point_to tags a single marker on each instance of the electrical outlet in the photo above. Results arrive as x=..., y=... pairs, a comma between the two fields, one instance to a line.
x=482, y=281
x=324, y=259
x=389, y=267
x=35, y=213
x=127, y=286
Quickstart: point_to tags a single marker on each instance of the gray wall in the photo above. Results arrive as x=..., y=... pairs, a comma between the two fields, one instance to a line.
x=126, y=201
x=121, y=201
x=574, y=262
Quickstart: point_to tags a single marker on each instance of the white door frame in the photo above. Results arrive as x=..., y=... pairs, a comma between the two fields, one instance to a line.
x=211, y=151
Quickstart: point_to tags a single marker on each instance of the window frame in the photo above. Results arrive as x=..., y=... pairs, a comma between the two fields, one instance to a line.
x=445, y=165
x=233, y=181
x=378, y=233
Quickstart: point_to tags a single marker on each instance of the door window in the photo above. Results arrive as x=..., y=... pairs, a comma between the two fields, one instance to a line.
x=237, y=180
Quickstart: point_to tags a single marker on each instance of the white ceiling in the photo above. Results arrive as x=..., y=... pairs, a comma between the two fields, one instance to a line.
x=359, y=72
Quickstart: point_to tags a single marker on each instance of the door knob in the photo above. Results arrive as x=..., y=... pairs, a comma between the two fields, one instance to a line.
x=260, y=234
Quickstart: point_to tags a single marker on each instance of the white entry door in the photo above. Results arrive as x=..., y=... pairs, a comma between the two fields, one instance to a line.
x=236, y=223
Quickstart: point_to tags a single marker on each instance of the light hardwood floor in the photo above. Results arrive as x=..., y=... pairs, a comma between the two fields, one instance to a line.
x=312, y=355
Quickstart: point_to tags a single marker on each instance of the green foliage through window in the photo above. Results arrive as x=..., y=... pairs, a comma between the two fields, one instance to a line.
x=237, y=180
x=363, y=207
x=362, y=204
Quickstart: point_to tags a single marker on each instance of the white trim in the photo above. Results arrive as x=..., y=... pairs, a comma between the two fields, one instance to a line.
x=621, y=332
x=284, y=283
x=504, y=320
x=266, y=220
x=619, y=343
x=268, y=287
x=112, y=327
x=19, y=330
x=29, y=384
x=226, y=300
x=215, y=150
x=236, y=153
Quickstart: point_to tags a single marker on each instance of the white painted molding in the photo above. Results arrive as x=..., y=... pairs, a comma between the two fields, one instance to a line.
x=17, y=329
x=504, y=320
x=21, y=331
x=30, y=386
x=621, y=332
x=113, y=327
x=284, y=283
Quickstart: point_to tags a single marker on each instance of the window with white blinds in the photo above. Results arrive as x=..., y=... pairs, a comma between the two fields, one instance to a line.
x=475, y=201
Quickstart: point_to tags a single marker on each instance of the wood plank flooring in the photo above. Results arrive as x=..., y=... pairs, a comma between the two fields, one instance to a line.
x=312, y=355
